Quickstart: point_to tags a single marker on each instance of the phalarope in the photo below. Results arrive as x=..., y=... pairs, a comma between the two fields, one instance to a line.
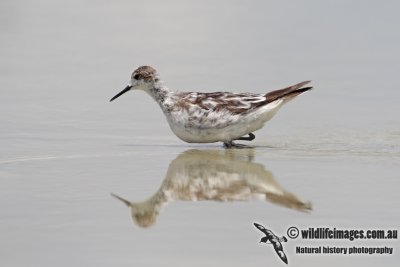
x=213, y=175
x=212, y=117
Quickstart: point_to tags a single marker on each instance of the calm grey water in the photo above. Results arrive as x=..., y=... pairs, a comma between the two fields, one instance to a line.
x=329, y=158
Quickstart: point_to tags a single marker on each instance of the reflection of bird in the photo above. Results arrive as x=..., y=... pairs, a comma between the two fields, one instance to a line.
x=274, y=240
x=212, y=117
x=217, y=175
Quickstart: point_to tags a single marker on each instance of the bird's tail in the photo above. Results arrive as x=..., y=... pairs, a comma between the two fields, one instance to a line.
x=288, y=92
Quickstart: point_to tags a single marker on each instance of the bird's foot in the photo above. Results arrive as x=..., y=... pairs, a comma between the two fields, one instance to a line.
x=231, y=144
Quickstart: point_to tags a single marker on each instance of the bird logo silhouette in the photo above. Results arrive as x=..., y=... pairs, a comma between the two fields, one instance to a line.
x=271, y=238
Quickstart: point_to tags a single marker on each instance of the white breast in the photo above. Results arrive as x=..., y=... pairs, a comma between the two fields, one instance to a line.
x=196, y=125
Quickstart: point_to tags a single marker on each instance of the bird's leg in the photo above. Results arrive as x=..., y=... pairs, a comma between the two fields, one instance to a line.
x=248, y=138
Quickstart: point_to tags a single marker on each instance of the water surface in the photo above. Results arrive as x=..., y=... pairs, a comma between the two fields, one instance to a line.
x=329, y=158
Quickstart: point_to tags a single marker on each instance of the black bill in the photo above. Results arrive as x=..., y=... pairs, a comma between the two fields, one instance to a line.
x=127, y=88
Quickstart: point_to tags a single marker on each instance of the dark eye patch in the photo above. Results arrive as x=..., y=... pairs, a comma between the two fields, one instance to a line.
x=136, y=76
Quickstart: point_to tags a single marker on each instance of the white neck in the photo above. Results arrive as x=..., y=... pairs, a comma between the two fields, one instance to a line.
x=160, y=93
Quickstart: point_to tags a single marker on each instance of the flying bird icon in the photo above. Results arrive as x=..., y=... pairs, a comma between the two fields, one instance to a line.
x=271, y=238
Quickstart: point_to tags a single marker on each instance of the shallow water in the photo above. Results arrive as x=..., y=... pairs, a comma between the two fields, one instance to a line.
x=329, y=158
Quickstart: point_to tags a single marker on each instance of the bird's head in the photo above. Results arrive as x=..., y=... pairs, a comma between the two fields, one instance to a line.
x=143, y=78
x=144, y=214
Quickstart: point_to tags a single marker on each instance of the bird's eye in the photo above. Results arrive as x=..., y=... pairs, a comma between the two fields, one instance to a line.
x=136, y=76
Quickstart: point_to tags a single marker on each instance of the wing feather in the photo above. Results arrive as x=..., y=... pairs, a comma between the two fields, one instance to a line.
x=237, y=103
x=281, y=254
